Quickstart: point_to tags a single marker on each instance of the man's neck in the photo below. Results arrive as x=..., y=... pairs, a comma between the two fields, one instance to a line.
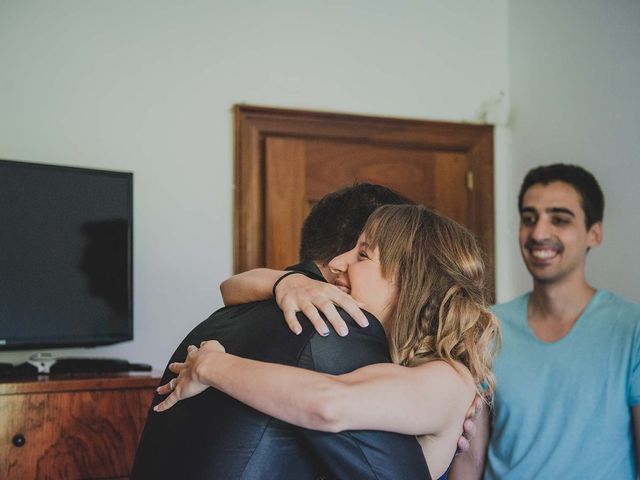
x=554, y=308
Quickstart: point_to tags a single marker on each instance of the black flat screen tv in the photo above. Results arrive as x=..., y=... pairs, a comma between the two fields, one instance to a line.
x=66, y=244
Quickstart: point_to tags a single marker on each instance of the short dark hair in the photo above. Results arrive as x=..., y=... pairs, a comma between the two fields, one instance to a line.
x=336, y=221
x=592, y=198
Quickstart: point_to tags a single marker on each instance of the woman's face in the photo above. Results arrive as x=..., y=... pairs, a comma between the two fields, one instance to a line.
x=359, y=273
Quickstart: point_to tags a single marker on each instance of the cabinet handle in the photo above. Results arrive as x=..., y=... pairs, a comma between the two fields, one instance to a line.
x=18, y=440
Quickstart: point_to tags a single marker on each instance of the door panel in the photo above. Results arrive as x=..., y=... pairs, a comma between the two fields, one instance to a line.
x=285, y=202
x=413, y=172
x=448, y=187
x=300, y=172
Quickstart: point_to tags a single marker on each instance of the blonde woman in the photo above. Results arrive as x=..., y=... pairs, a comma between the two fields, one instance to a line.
x=421, y=275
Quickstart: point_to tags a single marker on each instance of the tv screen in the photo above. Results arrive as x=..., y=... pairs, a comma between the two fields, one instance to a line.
x=65, y=256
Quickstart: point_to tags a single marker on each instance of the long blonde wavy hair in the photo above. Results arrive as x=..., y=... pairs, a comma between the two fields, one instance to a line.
x=441, y=311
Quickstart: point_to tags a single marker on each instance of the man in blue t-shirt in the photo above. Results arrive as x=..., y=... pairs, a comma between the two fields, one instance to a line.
x=567, y=401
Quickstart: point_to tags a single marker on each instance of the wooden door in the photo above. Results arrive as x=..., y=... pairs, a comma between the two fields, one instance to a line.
x=287, y=160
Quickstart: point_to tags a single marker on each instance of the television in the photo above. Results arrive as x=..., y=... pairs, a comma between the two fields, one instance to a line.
x=66, y=244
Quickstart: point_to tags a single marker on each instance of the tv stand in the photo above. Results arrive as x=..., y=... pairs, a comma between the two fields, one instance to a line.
x=42, y=361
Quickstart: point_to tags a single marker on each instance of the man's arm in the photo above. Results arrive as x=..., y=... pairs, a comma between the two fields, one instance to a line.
x=635, y=420
x=470, y=464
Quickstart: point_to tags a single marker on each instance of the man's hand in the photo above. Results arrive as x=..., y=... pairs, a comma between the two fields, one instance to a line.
x=298, y=293
x=187, y=384
x=469, y=427
x=469, y=465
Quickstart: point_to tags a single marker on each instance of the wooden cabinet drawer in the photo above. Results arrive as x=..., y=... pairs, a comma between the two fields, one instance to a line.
x=80, y=430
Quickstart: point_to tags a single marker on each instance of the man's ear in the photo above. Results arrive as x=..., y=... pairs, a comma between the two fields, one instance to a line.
x=594, y=235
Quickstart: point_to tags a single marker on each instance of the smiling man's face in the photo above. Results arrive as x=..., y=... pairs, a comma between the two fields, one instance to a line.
x=553, y=235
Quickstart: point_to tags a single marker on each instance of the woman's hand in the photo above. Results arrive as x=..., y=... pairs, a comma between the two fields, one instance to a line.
x=298, y=293
x=187, y=384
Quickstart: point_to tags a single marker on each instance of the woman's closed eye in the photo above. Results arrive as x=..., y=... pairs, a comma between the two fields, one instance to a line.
x=362, y=255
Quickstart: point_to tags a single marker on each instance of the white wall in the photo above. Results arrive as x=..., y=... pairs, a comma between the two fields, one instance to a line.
x=574, y=69
x=147, y=86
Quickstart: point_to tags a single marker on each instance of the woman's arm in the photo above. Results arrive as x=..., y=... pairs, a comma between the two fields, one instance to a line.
x=295, y=293
x=418, y=400
x=249, y=286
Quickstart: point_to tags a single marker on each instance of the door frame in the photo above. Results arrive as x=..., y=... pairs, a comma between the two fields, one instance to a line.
x=253, y=125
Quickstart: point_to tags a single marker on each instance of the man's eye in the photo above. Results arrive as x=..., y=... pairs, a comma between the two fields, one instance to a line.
x=560, y=221
x=527, y=220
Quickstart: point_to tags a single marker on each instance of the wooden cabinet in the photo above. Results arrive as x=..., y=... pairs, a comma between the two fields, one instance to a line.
x=77, y=428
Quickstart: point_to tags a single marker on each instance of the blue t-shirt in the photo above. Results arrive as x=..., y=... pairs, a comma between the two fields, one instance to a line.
x=563, y=409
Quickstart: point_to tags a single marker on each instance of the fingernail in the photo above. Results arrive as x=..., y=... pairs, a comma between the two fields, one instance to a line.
x=298, y=330
x=325, y=332
x=158, y=390
x=343, y=332
x=155, y=409
x=364, y=322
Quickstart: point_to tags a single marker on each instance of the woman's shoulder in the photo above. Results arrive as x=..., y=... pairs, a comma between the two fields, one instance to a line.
x=453, y=377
